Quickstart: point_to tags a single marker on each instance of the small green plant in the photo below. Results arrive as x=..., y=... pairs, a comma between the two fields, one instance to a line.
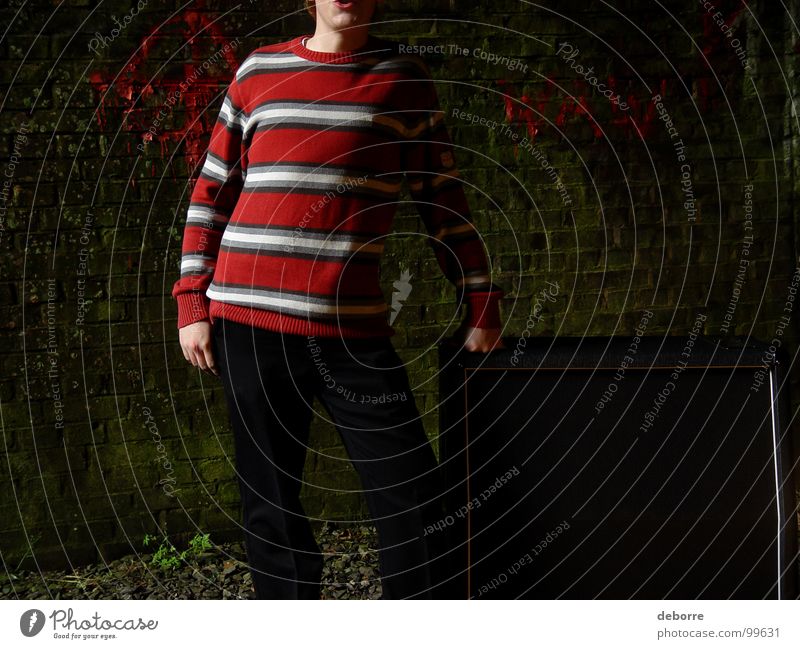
x=200, y=543
x=167, y=556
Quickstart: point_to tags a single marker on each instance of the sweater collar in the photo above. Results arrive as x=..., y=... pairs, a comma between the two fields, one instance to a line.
x=373, y=46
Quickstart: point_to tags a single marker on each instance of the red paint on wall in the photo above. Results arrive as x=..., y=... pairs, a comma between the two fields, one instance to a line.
x=519, y=109
x=717, y=71
x=721, y=70
x=574, y=105
x=143, y=101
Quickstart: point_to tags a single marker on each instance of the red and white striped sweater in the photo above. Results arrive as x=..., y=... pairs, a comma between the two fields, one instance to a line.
x=287, y=220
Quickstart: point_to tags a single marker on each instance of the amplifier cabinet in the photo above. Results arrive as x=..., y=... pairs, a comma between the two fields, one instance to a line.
x=584, y=468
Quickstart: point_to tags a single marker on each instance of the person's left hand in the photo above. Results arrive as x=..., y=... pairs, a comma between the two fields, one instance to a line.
x=478, y=340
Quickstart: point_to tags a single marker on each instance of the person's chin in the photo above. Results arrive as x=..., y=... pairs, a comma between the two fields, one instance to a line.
x=344, y=20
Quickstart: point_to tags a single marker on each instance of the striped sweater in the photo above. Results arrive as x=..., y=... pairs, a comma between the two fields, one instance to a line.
x=289, y=215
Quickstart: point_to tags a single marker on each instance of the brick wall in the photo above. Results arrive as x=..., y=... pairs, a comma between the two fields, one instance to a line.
x=684, y=206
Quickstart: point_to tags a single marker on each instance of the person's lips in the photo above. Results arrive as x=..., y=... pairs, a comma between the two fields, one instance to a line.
x=344, y=5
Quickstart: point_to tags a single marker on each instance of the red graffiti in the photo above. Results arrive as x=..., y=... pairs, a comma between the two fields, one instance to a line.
x=574, y=104
x=719, y=71
x=146, y=102
x=519, y=111
x=719, y=33
x=718, y=24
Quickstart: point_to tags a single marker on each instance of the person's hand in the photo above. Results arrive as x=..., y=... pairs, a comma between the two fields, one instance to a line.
x=478, y=340
x=196, y=345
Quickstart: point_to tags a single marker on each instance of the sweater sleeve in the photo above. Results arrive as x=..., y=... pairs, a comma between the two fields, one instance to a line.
x=434, y=185
x=211, y=204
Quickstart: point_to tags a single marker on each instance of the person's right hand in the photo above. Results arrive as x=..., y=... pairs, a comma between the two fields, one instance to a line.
x=196, y=345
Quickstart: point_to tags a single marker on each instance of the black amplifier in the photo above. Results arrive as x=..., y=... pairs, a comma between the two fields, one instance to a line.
x=616, y=468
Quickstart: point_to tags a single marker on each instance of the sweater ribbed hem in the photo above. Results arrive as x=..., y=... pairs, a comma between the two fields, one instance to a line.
x=274, y=321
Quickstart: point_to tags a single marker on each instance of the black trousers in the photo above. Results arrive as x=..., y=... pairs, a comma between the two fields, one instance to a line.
x=270, y=381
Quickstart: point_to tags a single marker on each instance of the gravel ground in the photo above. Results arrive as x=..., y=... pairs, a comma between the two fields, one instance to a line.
x=350, y=572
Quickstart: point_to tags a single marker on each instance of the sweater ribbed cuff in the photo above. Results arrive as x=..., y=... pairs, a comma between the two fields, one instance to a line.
x=483, y=311
x=192, y=307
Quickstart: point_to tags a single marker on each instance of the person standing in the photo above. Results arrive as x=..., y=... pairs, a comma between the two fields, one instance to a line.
x=279, y=290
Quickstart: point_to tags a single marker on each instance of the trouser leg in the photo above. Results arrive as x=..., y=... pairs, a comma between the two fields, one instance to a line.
x=269, y=406
x=367, y=394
